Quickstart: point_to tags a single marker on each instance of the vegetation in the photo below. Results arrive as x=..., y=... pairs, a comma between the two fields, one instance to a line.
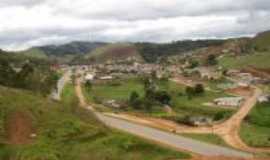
x=151, y=52
x=211, y=60
x=258, y=59
x=40, y=78
x=110, y=52
x=121, y=90
x=261, y=42
x=65, y=131
x=255, y=131
x=197, y=90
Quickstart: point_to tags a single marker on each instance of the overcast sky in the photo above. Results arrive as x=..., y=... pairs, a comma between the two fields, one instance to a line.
x=26, y=23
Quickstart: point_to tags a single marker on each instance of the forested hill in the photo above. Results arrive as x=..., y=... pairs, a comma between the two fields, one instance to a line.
x=152, y=51
x=73, y=48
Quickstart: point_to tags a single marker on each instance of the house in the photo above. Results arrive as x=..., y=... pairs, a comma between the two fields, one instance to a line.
x=89, y=77
x=264, y=98
x=229, y=101
x=200, y=121
x=111, y=103
x=106, y=78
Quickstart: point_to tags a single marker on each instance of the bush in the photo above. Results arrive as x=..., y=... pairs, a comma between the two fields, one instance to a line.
x=199, y=89
x=221, y=115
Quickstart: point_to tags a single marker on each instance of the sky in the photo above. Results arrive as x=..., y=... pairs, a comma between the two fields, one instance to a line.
x=27, y=23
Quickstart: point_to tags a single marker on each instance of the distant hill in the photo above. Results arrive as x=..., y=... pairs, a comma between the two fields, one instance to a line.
x=152, y=51
x=262, y=41
x=114, y=52
x=73, y=48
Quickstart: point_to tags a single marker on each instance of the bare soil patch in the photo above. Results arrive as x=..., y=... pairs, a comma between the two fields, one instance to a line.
x=19, y=128
x=241, y=91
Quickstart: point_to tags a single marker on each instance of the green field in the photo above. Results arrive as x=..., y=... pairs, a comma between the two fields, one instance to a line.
x=180, y=103
x=66, y=132
x=260, y=60
x=208, y=138
x=255, y=131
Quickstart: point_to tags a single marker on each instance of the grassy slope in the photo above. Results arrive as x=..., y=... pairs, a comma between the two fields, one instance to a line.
x=260, y=60
x=67, y=132
x=34, y=53
x=262, y=41
x=181, y=104
x=111, y=51
x=255, y=131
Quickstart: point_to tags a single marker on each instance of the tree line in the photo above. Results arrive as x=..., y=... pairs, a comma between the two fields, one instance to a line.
x=31, y=76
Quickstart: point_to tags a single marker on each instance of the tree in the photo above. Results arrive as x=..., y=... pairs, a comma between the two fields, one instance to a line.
x=88, y=86
x=163, y=97
x=199, y=89
x=134, y=100
x=211, y=60
x=193, y=63
x=6, y=73
x=24, y=76
x=189, y=92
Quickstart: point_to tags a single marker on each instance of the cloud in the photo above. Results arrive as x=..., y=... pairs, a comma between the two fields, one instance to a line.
x=29, y=23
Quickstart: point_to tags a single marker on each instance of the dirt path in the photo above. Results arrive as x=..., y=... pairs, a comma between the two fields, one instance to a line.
x=19, y=128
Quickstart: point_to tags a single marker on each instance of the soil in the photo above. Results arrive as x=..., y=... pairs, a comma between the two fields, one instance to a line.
x=19, y=128
x=241, y=91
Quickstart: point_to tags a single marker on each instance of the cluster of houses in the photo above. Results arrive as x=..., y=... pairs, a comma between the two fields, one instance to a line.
x=111, y=71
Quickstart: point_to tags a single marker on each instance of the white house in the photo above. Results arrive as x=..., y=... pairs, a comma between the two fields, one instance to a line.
x=229, y=101
x=106, y=78
x=264, y=98
x=89, y=77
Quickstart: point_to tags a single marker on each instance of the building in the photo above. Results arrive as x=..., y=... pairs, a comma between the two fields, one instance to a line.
x=89, y=77
x=229, y=101
x=106, y=78
x=264, y=98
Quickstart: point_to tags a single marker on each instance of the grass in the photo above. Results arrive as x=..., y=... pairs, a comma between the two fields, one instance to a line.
x=65, y=131
x=111, y=51
x=34, y=53
x=208, y=138
x=255, y=131
x=181, y=104
x=260, y=60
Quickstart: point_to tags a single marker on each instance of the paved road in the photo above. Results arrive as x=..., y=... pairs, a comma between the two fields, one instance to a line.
x=172, y=140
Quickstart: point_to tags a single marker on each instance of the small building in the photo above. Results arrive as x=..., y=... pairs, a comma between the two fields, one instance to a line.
x=229, y=101
x=200, y=121
x=89, y=77
x=264, y=98
x=112, y=104
x=106, y=78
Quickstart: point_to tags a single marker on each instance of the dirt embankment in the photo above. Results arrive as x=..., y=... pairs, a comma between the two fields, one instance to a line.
x=19, y=128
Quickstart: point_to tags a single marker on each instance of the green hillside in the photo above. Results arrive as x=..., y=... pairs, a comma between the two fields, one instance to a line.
x=117, y=51
x=259, y=60
x=262, y=41
x=63, y=131
x=34, y=53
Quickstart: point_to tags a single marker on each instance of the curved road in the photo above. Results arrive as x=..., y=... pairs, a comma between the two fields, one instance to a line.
x=173, y=140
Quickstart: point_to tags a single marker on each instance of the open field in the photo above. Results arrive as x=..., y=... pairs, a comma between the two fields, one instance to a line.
x=259, y=60
x=255, y=131
x=180, y=103
x=63, y=130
